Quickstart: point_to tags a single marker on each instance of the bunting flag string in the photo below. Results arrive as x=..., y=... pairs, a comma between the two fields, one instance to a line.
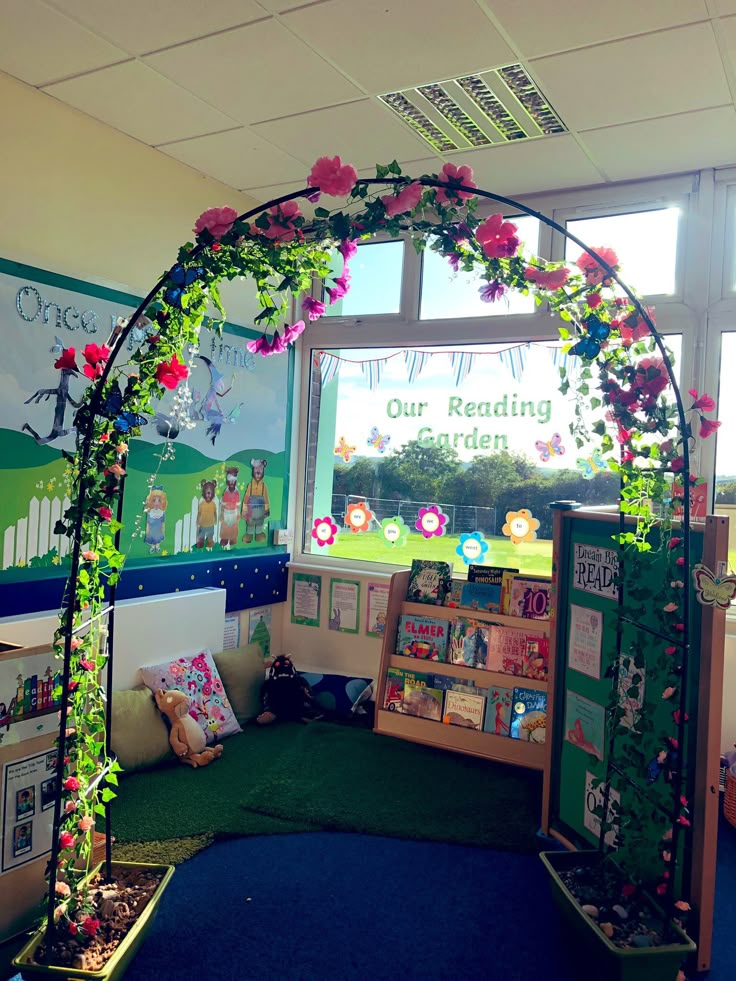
x=462, y=362
x=329, y=366
x=515, y=360
x=560, y=358
x=372, y=372
x=415, y=361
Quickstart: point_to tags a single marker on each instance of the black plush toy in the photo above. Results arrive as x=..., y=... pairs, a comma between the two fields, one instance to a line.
x=285, y=695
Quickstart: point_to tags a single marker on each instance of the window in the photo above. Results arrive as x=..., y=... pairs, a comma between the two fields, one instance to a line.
x=475, y=431
x=645, y=242
x=447, y=295
x=375, y=286
x=725, y=478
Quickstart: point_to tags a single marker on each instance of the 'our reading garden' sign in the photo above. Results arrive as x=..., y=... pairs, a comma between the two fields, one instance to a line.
x=595, y=570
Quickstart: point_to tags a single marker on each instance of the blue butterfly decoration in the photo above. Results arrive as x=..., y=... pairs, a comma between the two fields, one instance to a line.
x=377, y=440
x=591, y=465
x=112, y=408
x=589, y=346
x=181, y=278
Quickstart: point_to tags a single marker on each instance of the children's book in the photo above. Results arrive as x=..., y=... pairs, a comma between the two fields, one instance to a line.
x=530, y=597
x=423, y=637
x=396, y=679
x=498, y=711
x=506, y=580
x=529, y=715
x=506, y=649
x=481, y=596
x=456, y=591
x=446, y=682
x=487, y=573
x=423, y=702
x=429, y=581
x=463, y=709
x=468, y=642
x=536, y=658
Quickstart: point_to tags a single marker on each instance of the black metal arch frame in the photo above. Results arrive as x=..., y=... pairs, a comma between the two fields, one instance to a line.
x=117, y=342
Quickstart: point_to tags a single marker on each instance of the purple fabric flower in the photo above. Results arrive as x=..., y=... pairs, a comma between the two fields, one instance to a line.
x=314, y=309
x=454, y=259
x=492, y=291
x=347, y=248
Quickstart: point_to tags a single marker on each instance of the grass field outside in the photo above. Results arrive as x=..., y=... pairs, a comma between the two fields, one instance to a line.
x=529, y=557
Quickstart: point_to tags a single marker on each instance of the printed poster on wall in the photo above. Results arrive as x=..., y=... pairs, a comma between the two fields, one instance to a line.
x=595, y=570
x=585, y=724
x=306, y=592
x=344, y=605
x=259, y=628
x=223, y=489
x=584, y=641
x=28, y=790
x=375, y=614
x=593, y=800
x=30, y=694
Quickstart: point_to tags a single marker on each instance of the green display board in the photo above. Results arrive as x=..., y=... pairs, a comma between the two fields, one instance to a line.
x=586, y=694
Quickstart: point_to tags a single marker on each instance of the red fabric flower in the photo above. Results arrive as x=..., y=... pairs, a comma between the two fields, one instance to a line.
x=592, y=270
x=71, y=783
x=94, y=353
x=498, y=237
x=708, y=426
x=90, y=926
x=66, y=839
x=170, y=373
x=87, y=665
x=105, y=513
x=73, y=928
x=594, y=300
x=67, y=361
x=651, y=376
x=702, y=402
x=550, y=279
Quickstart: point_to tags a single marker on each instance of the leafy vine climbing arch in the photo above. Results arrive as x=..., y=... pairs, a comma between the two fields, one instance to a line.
x=645, y=438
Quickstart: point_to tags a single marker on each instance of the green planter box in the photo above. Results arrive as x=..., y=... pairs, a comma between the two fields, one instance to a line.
x=120, y=960
x=599, y=958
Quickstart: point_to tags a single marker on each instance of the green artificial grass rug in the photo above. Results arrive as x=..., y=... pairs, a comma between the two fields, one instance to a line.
x=344, y=779
x=322, y=776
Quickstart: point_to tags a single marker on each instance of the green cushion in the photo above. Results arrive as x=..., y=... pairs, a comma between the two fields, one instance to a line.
x=242, y=672
x=139, y=734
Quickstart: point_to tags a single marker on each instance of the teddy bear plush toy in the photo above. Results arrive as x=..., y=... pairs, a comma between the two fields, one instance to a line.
x=285, y=695
x=186, y=737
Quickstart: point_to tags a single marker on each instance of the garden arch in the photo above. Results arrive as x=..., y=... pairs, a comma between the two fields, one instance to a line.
x=607, y=327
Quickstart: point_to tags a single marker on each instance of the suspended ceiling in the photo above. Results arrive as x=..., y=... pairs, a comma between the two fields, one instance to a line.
x=250, y=93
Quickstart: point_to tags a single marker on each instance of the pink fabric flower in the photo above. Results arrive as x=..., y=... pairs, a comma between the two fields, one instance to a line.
x=90, y=556
x=217, y=221
x=62, y=888
x=105, y=513
x=498, y=237
x=452, y=176
x=85, y=824
x=406, y=200
x=66, y=840
x=281, y=218
x=71, y=783
x=670, y=650
x=550, y=279
x=314, y=309
x=291, y=333
x=674, y=542
x=702, y=402
x=677, y=464
x=332, y=177
x=651, y=376
x=70, y=807
x=86, y=665
x=670, y=608
x=708, y=426
x=592, y=270
x=635, y=328
x=347, y=249
x=75, y=643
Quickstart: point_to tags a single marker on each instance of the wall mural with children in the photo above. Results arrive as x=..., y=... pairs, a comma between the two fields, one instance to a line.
x=208, y=472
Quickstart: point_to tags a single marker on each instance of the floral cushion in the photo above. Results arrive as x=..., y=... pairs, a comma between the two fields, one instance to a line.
x=198, y=678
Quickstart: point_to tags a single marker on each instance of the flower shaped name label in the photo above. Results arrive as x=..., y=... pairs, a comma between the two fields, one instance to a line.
x=431, y=521
x=324, y=531
x=394, y=532
x=472, y=547
x=521, y=526
x=358, y=517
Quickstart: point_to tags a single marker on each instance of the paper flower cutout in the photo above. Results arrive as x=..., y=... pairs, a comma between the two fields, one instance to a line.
x=521, y=526
x=394, y=532
x=324, y=531
x=344, y=450
x=358, y=517
x=472, y=547
x=431, y=521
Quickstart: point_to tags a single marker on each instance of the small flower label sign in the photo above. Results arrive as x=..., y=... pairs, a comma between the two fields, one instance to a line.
x=595, y=570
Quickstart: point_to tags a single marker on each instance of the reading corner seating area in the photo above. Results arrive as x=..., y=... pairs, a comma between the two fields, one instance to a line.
x=368, y=466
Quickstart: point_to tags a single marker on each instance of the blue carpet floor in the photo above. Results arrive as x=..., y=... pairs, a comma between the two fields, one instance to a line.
x=341, y=907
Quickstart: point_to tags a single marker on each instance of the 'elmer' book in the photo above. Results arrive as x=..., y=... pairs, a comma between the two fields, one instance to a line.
x=529, y=715
x=498, y=711
x=462, y=709
x=429, y=581
x=423, y=637
x=468, y=642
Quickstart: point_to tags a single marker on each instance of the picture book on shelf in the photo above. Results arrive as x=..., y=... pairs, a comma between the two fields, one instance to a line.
x=429, y=581
x=422, y=637
x=481, y=596
x=446, y=682
x=463, y=709
x=468, y=642
x=396, y=679
x=536, y=658
x=426, y=703
x=508, y=578
x=487, y=573
x=529, y=715
x=498, y=711
x=529, y=597
x=506, y=649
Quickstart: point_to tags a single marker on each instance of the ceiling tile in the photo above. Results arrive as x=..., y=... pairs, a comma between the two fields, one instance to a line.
x=691, y=141
x=728, y=29
x=39, y=45
x=363, y=133
x=581, y=23
x=254, y=73
x=136, y=100
x=643, y=77
x=239, y=158
x=391, y=44
x=142, y=25
x=545, y=164
x=723, y=7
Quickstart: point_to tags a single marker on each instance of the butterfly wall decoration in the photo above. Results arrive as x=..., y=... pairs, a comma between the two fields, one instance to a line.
x=377, y=441
x=344, y=449
x=550, y=447
x=591, y=465
x=180, y=278
x=589, y=345
x=713, y=590
x=112, y=408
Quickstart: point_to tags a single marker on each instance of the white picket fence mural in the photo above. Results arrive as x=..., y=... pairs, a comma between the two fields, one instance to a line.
x=33, y=535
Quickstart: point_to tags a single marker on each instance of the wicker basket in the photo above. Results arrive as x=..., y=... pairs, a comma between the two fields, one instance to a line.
x=729, y=799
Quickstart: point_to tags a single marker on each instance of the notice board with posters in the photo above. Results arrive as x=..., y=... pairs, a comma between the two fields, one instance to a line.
x=586, y=577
